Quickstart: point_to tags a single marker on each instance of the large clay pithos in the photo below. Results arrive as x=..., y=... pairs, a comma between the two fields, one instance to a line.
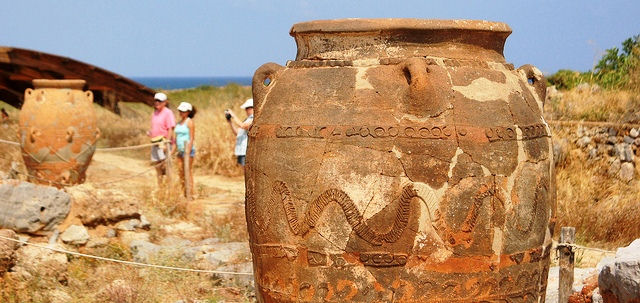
x=58, y=131
x=400, y=160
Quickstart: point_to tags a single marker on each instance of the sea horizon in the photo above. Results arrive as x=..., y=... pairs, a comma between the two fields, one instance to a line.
x=190, y=82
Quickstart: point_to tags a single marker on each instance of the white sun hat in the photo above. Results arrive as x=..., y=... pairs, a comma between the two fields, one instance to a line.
x=185, y=107
x=160, y=96
x=246, y=104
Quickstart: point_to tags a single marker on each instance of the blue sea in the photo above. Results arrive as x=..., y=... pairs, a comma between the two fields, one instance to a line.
x=189, y=82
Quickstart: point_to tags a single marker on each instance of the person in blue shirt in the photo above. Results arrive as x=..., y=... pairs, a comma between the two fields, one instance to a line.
x=185, y=132
x=240, y=129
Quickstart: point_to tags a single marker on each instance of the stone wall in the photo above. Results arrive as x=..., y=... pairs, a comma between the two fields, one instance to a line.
x=619, y=147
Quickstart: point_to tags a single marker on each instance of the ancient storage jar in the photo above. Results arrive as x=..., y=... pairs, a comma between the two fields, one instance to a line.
x=399, y=160
x=58, y=131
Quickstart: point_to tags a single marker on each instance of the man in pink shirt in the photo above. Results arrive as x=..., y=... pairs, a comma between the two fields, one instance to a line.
x=162, y=123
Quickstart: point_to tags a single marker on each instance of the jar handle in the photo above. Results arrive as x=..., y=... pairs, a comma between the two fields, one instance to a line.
x=262, y=79
x=536, y=79
x=423, y=98
x=415, y=70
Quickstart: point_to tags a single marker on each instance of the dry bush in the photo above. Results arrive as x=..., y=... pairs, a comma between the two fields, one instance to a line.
x=604, y=105
x=231, y=227
x=121, y=283
x=9, y=132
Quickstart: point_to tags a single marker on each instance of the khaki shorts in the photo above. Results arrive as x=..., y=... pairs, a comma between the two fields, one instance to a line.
x=157, y=153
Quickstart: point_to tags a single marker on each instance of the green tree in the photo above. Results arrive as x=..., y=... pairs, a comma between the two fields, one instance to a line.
x=617, y=69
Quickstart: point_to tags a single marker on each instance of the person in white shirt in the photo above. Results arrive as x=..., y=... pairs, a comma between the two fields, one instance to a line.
x=240, y=129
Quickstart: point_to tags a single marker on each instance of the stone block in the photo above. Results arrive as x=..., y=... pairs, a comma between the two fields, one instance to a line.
x=75, y=234
x=619, y=279
x=31, y=208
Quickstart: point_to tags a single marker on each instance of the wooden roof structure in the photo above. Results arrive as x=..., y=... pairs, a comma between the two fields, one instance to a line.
x=19, y=66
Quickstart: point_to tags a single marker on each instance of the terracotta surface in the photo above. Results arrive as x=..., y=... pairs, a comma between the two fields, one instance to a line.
x=399, y=160
x=58, y=131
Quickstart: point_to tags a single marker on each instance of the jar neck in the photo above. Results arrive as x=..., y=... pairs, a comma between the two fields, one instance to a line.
x=356, y=39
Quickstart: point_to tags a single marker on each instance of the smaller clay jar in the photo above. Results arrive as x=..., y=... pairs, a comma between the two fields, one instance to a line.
x=57, y=131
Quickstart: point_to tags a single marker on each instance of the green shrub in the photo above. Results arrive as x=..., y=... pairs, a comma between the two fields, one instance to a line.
x=568, y=79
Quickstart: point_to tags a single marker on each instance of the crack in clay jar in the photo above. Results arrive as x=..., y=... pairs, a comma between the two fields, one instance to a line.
x=399, y=160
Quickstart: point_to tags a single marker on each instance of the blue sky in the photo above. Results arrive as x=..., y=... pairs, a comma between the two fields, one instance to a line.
x=233, y=38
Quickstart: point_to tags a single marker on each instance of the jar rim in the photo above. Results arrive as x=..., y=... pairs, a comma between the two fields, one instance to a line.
x=397, y=24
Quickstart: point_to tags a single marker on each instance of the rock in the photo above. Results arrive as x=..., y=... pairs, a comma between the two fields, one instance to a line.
x=614, y=168
x=128, y=225
x=244, y=281
x=634, y=133
x=127, y=237
x=596, y=297
x=636, y=142
x=144, y=223
x=31, y=208
x=583, y=142
x=175, y=242
x=182, y=229
x=223, y=253
x=612, y=140
x=75, y=235
x=101, y=206
x=32, y=261
x=111, y=233
x=629, y=156
x=627, y=140
x=97, y=242
x=580, y=132
x=593, y=153
x=7, y=250
x=624, y=152
x=612, y=132
x=600, y=138
x=619, y=279
x=627, y=172
x=142, y=250
x=552, y=93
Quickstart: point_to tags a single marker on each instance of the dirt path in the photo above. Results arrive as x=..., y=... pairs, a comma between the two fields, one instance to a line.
x=215, y=194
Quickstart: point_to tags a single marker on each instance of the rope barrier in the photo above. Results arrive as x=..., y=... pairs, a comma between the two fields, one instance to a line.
x=128, y=262
x=553, y=122
x=584, y=248
x=108, y=149
x=10, y=142
x=105, y=149
x=94, y=183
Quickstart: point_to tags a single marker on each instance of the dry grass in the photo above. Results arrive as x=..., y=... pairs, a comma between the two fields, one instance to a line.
x=604, y=105
x=214, y=139
x=601, y=207
x=9, y=132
